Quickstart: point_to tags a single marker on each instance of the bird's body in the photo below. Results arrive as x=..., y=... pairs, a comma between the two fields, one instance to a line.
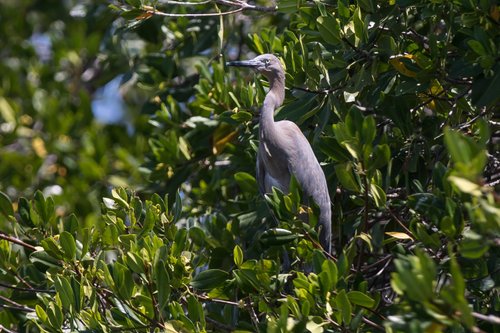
x=283, y=149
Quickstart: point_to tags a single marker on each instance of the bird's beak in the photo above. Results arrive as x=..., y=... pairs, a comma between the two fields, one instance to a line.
x=245, y=63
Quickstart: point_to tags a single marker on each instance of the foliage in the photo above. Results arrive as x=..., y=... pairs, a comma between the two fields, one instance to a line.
x=164, y=229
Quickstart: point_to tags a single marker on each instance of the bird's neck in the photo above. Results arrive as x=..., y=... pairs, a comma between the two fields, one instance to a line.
x=273, y=100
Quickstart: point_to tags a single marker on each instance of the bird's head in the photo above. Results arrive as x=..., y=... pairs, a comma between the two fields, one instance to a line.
x=266, y=64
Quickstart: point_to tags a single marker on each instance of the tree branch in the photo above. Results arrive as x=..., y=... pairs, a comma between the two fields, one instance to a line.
x=488, y=318
x=33, y=290
x=16, y=241
x=240, y=6
x=15, y=305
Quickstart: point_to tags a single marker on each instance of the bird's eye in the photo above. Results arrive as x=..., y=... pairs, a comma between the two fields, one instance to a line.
x=266, y=62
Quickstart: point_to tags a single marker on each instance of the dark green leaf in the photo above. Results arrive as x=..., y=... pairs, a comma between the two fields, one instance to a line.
x=344, y=306
x=359, y=298
x=68, y=245
x=162, y=284
x=246, y=182
x=6, y=205
x=329, y=30
x=65, y=292
x=209, y=279
x=277, y=236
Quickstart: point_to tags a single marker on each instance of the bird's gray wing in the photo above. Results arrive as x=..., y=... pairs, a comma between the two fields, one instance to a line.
x=310, y=176
x=261, y=175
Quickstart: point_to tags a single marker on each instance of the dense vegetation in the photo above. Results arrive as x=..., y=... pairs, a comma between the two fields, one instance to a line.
x=150, y=220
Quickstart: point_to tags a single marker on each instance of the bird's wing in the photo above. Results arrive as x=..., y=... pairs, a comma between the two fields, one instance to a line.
x=302, y=161
x=305, y=167
x=261, y=175
x=267, y=180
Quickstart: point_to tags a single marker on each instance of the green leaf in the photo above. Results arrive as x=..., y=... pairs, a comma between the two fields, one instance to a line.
x=247, y=280
x=63, y=288
x=382, y=155
x=71, y=224
x=134, y=3
x=120, y=197
x=44, y=207
x=180, y=242
x=344, y=306
x=485, y=91
x=469, y=157
x=123, y=281
x=329, y=29
x=68, y=245
x=238, y=255
x=330, y=268
x=458, y=292
x=5, y=205
x=359, y=298
x=334, y=150
x=368, y=130
x=195, y=310
x=473, y=246
x=343, y=10
x=242, y=116
x=246, y=182
x=345, y=176
x=277, y=236
x=23, y=208
x=367, y=5
x=85, y=237
x=288, y=6
x=209, y=279
x=197, y=235
x=54, y=315
x=135, y=262
x=398, y=235
x=325, y=283
x=162, y=284
x=476, y=47
x=149, y=220
x=78, y=294
x=378, y=195
x=41, y=314
x=177, y=208
x=360, y=30
x=41, y=257
x=465, y=185
x=459, y=150
x=52, y=248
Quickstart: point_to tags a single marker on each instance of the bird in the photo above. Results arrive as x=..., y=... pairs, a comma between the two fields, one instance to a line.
x=283, y=149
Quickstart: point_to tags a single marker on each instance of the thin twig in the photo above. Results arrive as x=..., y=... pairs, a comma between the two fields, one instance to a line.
x=153, y=11
x=468, y=123
x=366, y=198
x=321, y=92
x=33, y=290
x=3, y=329
x=218, y=325
x=488, y=318
x=216, y=300
x=184, y=3
x=399, y=222
x=15, y=305
x=16, y=241
x=372, y=324
x=241, y=6
x=253, y=316
x=368, y=267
